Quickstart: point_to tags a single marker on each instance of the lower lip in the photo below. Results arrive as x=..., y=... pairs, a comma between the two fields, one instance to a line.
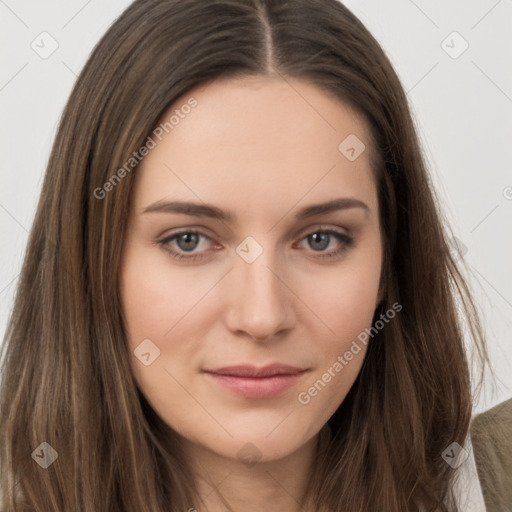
x=257, y=387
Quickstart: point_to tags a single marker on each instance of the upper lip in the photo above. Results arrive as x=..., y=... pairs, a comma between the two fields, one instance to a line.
x=253, y=371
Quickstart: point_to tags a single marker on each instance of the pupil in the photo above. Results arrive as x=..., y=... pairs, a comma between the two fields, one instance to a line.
x=321, y=238
x=189, y=239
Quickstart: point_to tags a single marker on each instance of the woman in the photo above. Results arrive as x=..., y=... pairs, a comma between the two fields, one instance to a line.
x=237, y=293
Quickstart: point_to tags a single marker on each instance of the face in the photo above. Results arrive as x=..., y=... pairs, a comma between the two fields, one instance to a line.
x=242, y=307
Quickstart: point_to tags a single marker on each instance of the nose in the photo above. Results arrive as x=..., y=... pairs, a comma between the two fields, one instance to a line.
x=260, y=303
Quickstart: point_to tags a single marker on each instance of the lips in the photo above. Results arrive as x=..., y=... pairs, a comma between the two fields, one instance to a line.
x=252, y=371
x=253, y=382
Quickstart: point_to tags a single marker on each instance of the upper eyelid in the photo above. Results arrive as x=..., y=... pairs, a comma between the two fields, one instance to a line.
x=298, y=237
x=302, y=232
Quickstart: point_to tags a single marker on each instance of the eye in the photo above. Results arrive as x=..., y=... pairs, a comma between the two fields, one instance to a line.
x=185, y=241
x=321, y=239
x=183, y=245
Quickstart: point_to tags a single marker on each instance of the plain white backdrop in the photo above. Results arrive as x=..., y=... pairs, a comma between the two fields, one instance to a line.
x=453, y=59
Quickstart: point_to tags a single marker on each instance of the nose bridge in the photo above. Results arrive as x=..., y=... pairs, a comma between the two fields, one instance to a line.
x=261, y=302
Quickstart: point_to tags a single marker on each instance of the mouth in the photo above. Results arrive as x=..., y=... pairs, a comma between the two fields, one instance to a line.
x=252, y=382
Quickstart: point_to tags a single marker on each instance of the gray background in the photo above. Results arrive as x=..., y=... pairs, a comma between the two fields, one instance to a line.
x=461, y=102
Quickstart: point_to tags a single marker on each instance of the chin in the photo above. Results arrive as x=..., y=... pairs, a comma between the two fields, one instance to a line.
x=257, y=445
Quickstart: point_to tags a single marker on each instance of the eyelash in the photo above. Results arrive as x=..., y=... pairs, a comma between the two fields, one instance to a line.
x=346, y=241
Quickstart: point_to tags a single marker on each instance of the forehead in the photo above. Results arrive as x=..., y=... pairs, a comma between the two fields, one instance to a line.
x=256, y=142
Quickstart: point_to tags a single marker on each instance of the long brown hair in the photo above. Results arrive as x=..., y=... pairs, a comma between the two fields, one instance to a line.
x=66, y=374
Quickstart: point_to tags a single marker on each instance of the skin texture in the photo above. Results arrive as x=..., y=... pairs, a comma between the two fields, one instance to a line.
x=262, y=149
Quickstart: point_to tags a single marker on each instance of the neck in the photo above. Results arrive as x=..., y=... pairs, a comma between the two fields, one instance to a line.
x=229, y=484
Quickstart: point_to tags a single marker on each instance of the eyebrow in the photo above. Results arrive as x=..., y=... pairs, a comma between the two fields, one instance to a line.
x=207, y=210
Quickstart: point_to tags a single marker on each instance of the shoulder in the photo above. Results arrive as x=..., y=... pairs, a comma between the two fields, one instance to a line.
x=466, y=488
x=491, y=434
x=468, y=491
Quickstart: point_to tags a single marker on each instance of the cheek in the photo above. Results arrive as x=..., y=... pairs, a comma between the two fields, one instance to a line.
x=171, y=307
x=161, y=304
x=343, y=299
x=157, y=296
x=345, y=302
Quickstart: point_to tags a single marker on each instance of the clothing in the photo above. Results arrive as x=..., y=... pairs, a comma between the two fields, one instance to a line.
x=491, y=433
x=467, y=486
x=468, y=493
